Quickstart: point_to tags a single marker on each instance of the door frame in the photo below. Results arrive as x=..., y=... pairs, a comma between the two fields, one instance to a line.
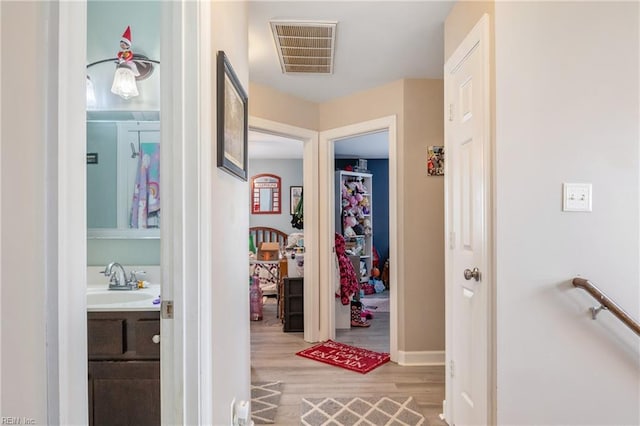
x=311, y=210
x=66, y=357
x=479, y=37
x=327, y=224
x=185, y=341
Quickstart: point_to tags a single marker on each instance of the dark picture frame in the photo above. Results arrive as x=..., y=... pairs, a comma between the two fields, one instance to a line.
x=232, y=118
x=295, y=193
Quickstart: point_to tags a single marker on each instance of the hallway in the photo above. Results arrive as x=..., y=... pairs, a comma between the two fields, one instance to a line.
x=273, y=358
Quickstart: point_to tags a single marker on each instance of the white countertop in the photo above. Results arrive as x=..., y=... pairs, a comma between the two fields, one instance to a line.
x=101, y=299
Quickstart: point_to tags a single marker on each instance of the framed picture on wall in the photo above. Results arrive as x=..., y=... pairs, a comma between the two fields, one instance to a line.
x=435, y=161
x=295, y=195
x=265, y=194
x=232, y=106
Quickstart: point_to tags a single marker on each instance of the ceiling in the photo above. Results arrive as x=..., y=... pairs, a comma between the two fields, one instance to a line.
x=377, y=42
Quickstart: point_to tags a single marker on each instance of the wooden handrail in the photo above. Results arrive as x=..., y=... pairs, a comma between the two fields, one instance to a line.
x=606, y=303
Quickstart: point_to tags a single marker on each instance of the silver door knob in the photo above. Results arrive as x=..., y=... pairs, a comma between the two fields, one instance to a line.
x=156, y=338
x=472, y=273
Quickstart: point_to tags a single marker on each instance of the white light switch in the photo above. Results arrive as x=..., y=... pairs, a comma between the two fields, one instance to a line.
x=577, y=197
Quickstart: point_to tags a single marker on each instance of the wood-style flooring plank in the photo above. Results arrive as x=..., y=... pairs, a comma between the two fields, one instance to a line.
x=273, y=358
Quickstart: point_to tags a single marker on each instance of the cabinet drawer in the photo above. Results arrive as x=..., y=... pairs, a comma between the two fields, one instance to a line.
x=106, y=337
x=146, y=329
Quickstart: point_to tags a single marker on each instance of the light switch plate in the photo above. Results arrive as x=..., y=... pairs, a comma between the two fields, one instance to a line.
x=577, y=197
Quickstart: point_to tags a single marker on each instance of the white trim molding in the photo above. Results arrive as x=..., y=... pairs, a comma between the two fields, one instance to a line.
x=415, y=358
x=183, y=348
x=70, y=283
x=1, y=209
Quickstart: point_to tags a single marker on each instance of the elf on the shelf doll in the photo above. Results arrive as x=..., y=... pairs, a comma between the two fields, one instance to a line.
x=125, y=55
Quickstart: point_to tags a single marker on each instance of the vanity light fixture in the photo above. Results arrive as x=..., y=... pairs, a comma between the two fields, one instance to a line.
x=130, y=67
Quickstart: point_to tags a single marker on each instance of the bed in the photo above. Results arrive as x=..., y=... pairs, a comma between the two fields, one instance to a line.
x=265, y=234
x=270, y=271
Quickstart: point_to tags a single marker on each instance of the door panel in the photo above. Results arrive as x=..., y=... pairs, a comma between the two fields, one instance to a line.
x=468, y=301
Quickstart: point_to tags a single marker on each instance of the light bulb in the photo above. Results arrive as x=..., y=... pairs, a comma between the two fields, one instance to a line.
x=124, y=83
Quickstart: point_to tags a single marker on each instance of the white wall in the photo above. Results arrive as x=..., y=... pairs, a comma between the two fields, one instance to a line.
x=290, y=171
x=229, y=304
x=567, y=111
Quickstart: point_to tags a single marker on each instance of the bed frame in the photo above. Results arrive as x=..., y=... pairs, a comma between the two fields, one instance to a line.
x=263, y=234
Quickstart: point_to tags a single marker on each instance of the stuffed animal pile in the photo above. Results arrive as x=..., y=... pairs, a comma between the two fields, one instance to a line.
x=355, y=208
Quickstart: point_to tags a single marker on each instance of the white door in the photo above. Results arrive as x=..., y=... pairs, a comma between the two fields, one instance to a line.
x=468, y=218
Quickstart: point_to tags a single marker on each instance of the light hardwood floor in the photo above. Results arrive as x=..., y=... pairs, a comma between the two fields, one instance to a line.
x=273, y=358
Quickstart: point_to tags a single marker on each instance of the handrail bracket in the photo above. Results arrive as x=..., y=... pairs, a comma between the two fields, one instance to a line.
x=606, y=304
x=595, y=311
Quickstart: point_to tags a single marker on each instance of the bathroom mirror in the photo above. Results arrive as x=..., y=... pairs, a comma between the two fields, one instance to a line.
x=123, y=173
x=265, y=194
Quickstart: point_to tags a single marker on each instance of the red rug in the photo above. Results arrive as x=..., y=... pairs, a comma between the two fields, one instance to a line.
x=345, y=356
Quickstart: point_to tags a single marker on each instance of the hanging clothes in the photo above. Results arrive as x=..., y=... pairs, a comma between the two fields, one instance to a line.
x=349, y=283
x=145, y=208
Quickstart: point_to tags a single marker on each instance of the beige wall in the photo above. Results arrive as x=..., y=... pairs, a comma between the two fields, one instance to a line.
x=417, y=104
x=273, y=105
x=423, y=218
x=461, y=19
x=375, y=103
x=418, y=107
x=23, y=150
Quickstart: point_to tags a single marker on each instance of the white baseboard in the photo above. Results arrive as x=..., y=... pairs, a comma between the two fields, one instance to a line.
x=421, y=358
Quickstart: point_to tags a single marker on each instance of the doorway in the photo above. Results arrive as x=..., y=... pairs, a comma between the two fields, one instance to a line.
x=276, y=240
x=309, y=148
x=362, y=219
x=124, y=209
x=71, y=394
x=327, y=215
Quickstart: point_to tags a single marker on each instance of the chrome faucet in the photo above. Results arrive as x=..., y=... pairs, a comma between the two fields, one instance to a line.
x=119, y=281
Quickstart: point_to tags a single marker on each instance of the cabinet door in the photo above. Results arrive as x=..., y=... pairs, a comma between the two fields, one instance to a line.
x=124, y=393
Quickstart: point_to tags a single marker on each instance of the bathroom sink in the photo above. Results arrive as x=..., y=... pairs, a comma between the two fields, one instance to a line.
x=117, y=297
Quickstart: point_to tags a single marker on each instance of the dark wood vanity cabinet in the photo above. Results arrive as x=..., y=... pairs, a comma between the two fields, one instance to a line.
x=124, y=368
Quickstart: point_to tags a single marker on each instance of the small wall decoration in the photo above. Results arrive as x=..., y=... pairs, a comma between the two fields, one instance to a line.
x=435, y=160
x=232, y=120
x=265, y=194
x=295, y=194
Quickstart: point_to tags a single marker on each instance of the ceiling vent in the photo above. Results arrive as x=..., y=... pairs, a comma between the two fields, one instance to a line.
x=304, y=46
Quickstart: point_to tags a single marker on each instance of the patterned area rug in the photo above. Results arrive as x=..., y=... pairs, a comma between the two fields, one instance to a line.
x=265, y=397
x=345, y=356
x=367, y=411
